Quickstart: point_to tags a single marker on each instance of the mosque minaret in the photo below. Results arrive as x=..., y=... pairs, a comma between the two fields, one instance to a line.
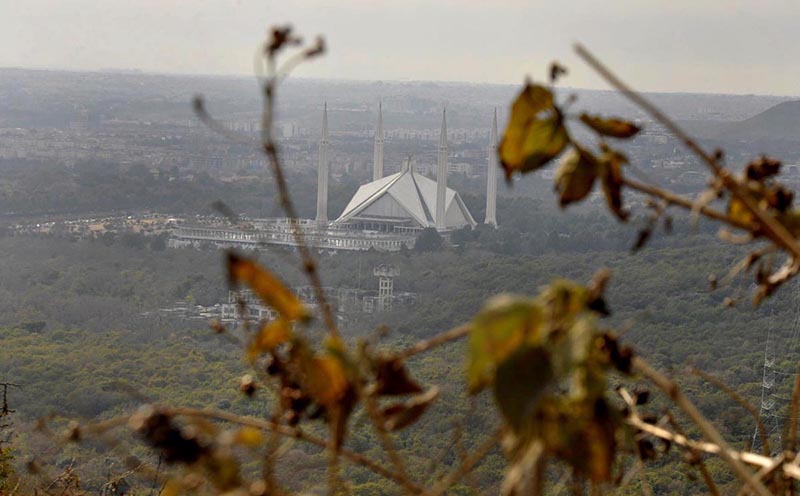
x=441, y=176
x=377, y=162
x=491, y=177
x=322, y=171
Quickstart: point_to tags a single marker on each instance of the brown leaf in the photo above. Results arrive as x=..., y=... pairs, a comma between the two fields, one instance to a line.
x=611, y=162
x=575, y=176
x=641, y=238
x=615, y=128
x=392, y=378
x=556, y=71
x=762, y=168
x=535, y=134
x=266, y=286
x=400, y=415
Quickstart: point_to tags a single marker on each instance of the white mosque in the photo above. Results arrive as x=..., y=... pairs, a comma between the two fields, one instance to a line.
x=384, y=214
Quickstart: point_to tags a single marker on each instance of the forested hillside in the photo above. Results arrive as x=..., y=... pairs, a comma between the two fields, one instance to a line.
x=91, y=295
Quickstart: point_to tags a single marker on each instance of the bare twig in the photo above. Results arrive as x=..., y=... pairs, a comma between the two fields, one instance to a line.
x=767, y=224
x=698, y=460
x=762, y=431
x=681, y=201
x=440, y=339
x=708, y=430
x=370, y=404
x=292, y=432
x=270, y=149
x=766, y=472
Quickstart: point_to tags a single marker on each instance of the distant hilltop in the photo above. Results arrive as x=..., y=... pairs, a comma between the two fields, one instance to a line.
x=778, y=123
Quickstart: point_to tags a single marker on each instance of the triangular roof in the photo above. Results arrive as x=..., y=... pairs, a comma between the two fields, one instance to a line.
x=415, y=194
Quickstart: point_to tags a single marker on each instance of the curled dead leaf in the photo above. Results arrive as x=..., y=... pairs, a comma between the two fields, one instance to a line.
x=401, y=415
x=575, y=175
x=615, y=128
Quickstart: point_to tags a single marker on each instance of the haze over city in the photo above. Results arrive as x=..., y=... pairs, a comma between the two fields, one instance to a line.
x=715, y=46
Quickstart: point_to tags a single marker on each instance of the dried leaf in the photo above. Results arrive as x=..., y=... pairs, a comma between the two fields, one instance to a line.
x=739, y=212
x=392, y=378
x=575, y=176
x=762, y=168
x=535, y=134
x=556, y=71
x=641, y=238
x=248, y=436
x=401, y=415
x=325, y=380
x=171, y=488
x=247, y=385
x=600, y=442
x=269, y=336
x=611, y=162
x=266, y=286
x=615, y=128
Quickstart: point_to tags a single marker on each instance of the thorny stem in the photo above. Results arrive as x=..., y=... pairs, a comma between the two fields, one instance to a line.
x=770, y=226
x=438, y=340
x=684, y=202
x=370, y=404
x=271, y=151
x=296, y=434
x=709, y=431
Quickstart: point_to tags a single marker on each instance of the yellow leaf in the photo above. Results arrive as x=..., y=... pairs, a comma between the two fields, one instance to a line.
x=269, y=336
x=325, y=380
x=616, y=128
x=248, y=436
x=535, y=134
x=739, y=212
x=171, y=488
x=575, y=176
x=266, y=286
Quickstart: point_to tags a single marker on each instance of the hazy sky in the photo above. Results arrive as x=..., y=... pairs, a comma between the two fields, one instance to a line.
x=725, y=46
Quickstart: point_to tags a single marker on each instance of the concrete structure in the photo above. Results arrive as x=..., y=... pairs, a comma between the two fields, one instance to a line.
x=386, y=214
x=441, y=176
x=385, y=275
x=279, y=232
x=491, y=177
x=404, y=202
x=377, y=159
x=322, y=171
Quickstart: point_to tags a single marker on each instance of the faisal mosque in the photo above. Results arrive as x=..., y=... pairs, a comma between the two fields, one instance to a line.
x=385, y=214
